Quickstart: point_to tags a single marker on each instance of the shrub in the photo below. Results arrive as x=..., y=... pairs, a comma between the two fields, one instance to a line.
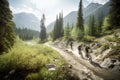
x=104, y=47
x=107, y=32
x=112, y=39
x=77, y=33
x=29, y=63
x=114, y=53
x=89, y=38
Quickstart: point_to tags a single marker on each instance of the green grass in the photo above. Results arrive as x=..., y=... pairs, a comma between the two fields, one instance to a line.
x=108, y=32
x=114, y=53
x=29, y=63
x=89, y=38
x=105, y=47
x=113, y=39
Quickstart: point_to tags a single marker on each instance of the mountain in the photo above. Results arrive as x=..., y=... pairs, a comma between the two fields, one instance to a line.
x=71, y=17
x=91, y=9
x=26, y=20
x=104, y=9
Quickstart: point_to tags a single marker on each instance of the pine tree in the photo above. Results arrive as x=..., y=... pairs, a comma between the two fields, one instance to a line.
x=61, y=25
x=86, y=32
x=67, y=32
x=43, y=29
x=80, y=17
x=7, y=33
x=72, y=26
x=91, y=26
x=114, y=14
x=80, y=22
x=58, y=31
x=99, y=24
x=55, y=30
x=106, y=25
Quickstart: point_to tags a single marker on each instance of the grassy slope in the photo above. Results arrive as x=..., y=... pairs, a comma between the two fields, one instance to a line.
x=25, y=61
x=107, y=46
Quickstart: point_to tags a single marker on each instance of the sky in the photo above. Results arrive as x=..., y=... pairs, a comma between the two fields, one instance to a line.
x=49, y=7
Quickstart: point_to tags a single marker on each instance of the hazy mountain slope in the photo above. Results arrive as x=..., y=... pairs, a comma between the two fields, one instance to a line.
x=72, y=16
x=91, y=9
x=26, y=20
x=104, y=9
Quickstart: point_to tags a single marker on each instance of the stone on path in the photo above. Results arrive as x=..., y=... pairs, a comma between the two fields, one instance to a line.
x=51, y=67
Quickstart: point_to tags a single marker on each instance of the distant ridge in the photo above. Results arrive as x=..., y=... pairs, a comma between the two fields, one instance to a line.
x=91, y=9
x=27, y=20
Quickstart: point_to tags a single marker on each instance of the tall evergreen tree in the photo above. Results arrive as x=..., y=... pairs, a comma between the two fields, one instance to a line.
x=80, y=22
x=61, y=24
x=58, y=27
x=99, y=24
x=92, y=26
x=114, y=14
x=7, y=34
x=67, y=32
x=55, y=30
x=43, y=29
x=72, y=26
x=106, y=25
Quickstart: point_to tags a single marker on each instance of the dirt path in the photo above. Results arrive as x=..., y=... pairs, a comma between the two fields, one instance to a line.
x=80, y=65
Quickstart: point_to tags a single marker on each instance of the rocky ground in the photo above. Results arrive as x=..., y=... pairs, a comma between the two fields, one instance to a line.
x=105, y=53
